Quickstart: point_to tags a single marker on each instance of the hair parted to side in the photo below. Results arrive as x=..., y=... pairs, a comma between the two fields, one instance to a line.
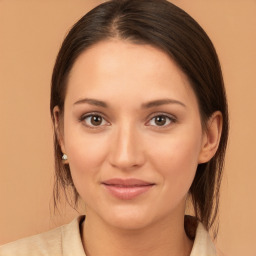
x=161, y=24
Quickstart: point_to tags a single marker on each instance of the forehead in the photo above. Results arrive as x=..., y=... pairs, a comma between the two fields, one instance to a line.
x=128, y=69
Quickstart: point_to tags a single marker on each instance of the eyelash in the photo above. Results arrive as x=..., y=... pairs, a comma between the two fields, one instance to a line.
x=83, y=118
x=171, y=119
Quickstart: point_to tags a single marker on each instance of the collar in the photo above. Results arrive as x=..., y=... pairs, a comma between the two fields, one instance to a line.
x=72, y=243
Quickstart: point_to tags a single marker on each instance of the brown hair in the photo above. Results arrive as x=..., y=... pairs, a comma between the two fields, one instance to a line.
x=163, y=25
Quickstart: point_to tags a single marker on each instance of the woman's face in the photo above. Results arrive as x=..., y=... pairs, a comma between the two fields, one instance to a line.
x=132, y=134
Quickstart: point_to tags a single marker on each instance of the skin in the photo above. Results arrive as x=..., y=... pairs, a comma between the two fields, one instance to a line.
x=130, y=143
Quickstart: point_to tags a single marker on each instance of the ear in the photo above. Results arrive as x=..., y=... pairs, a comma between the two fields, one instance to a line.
x=58, y=127
x=211, y=137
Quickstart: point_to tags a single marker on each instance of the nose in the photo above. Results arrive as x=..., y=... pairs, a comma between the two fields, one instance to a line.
x=127, y=148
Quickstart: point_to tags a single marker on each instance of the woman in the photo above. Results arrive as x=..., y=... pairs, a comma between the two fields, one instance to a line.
x=141, y=125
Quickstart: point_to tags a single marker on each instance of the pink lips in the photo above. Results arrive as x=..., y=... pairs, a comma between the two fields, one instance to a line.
x=127, y=189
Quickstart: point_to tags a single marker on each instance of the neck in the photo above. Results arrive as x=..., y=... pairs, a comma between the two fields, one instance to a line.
x=165, y=238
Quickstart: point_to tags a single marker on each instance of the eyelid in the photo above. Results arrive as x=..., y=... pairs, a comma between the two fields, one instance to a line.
x=96, y=113
x=172, y=118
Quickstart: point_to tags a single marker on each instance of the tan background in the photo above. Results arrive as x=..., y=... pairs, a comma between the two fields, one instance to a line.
x=30, y=35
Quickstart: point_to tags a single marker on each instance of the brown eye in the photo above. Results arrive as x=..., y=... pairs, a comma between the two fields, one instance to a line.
x=94, y=120
x=161, y=120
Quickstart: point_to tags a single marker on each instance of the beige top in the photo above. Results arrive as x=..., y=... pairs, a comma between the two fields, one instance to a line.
x=66, y=241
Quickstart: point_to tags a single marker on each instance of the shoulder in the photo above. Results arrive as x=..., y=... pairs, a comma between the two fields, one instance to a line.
x=41, y=244
x=47, y=243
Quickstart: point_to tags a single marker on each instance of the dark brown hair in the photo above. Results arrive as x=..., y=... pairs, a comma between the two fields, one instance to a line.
x=167, y=27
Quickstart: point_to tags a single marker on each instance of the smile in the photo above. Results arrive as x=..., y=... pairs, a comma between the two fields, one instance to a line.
x=127, y=189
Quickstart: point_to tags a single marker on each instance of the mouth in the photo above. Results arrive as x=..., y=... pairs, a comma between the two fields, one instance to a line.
x=127, y=189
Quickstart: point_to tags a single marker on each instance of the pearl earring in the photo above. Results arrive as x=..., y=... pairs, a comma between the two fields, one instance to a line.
x=64, y=157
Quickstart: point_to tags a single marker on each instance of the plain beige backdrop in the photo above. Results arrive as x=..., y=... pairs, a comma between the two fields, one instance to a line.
x=31, y=32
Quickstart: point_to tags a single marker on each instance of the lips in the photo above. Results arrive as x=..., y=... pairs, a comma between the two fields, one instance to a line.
x=127, y=189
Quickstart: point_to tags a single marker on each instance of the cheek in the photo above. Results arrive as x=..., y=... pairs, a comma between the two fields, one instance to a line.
x=86, y=153
x=176, y=159
x=85, y=160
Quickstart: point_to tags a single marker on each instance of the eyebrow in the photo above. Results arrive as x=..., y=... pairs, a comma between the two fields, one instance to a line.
x=156, y=103
x=150, y=104
x=92, y=102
